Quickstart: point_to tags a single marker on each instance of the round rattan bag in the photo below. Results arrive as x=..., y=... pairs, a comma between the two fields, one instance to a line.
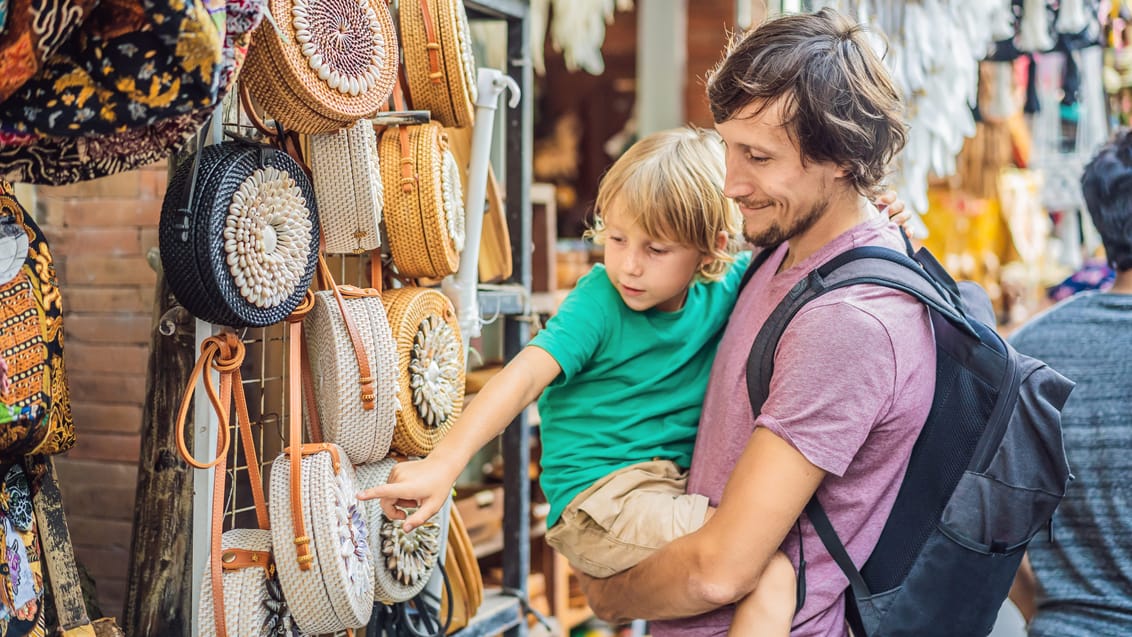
x=364, y=431
x=335, y=592
x=239, y=240
x=329, y=64
x=403, y=562
x=424, y=200
x=439, y=64
x=430, y=356
x=253, y=599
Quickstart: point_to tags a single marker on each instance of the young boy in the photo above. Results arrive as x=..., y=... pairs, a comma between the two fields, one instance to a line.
x=622, y=369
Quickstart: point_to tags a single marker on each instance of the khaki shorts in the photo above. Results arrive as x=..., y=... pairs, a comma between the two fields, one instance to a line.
x=625, y=517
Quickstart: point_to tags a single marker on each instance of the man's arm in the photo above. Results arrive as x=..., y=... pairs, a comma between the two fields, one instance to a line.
x=723, y=561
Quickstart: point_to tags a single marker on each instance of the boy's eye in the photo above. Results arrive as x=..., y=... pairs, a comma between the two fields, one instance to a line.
x=658, y=250
x=616, y=239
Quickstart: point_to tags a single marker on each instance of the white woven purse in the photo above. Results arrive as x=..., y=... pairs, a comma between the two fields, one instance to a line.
x=403, y=562
x=347, y=186
x=353, y=369
x=240, y=594
x=318, y=526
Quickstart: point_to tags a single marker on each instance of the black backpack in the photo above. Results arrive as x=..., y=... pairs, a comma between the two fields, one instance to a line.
x=986, y=473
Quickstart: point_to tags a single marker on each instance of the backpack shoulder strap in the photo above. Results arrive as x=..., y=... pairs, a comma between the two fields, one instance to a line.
x=868, y=264
x=755, y=264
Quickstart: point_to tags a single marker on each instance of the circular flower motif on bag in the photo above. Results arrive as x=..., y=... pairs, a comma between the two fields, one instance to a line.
x=353, y=536
x=279, y=621
x=467, y=58
x=342, y=41
x=409, y=557
x=267, y=237
x=452, y=192
x=434, y=371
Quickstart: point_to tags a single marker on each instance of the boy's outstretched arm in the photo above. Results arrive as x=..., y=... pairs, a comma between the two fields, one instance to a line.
x=426, y=483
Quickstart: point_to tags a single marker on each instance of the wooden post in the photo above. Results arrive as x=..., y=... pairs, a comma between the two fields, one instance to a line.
x=158, y=593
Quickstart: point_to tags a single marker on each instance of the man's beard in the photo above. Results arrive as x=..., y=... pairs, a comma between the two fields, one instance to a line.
x=776, y=233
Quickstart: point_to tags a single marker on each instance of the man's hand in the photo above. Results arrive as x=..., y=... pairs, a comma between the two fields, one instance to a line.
x=595, y=590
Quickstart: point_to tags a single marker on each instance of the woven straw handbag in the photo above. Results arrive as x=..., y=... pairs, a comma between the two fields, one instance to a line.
x=318, y=526
x=424, y=213
x=439, y=64
x=347, y=183
x=430, y=356
x=31, y=340
x=353, y=370
x=240, y=593
x=325, y=65
x=239, y=234
x=403, y=562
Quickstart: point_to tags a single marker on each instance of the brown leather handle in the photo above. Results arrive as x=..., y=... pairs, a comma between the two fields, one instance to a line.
x=209, y=350
x=408, y=168
x=365, y=373
x=435, y=75
x=294, y=451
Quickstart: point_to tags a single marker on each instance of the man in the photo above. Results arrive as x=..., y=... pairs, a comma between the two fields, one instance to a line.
x=1084, y=575
x=811, y=120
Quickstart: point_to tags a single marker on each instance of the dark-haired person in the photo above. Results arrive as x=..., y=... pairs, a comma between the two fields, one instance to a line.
x=811, y=120
x=1084, y=576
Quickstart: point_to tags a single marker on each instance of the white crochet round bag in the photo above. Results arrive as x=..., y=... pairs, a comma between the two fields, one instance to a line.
x=357, y=408
x=253, y=600
x=402, y=562
x=347, y=186
x=321, y=540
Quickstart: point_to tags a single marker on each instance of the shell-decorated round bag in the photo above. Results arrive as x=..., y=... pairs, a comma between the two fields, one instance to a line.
x=239, y=234
x=363, y=428
x=321, y=540
x=347, y=182
x=431, y=365
x=323, y=64
x=439, y=63
x=424, y=200
x=403, y=562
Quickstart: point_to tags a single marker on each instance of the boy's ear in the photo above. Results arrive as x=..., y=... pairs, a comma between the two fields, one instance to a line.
x=721, y=240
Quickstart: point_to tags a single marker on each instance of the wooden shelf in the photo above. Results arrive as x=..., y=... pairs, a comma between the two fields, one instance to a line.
x=499, y=612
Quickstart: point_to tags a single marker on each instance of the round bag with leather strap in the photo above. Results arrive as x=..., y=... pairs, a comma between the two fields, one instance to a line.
x=431, y=363
x=323, y=64
x=439, y=64
x=239, y=234
x=424, y=200
x=403, y=562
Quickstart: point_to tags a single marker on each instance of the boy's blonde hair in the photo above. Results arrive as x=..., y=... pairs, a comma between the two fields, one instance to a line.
x=671, y=184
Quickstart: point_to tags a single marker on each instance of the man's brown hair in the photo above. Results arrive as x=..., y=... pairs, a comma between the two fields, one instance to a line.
x=840, y=104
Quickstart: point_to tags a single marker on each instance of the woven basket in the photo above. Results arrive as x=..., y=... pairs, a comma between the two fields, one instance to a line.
x=244, y=251
x=439, y=64
x=463, y=572
x=403, y=562
x=347, y=182
x=364, y=434
x=335, y=592
x=253, y=600
x=424, y=199
x=331, y=63
x=431, y=366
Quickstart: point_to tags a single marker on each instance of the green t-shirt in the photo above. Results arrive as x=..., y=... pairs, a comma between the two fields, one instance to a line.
x=632, y=383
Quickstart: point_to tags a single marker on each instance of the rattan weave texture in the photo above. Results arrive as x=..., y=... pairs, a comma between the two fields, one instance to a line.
x=444, y=86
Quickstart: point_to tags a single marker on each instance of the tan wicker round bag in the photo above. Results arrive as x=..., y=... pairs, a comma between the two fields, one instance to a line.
x=347, y=186
x=329, y=64
x=439, y=63
x=402, y=562
x=424, y=200
x=431, y=364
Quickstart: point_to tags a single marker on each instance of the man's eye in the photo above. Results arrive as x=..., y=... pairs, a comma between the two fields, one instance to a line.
x=757, y=159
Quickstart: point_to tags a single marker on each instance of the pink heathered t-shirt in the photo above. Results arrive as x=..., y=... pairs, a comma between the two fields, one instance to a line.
x=852, y=385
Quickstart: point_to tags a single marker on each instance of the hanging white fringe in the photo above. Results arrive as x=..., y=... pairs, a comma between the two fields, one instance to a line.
x=1071, y=16
x=577, y=29
x=1034, y=33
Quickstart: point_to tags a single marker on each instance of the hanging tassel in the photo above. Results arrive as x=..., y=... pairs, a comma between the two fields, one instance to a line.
x=1033, y=103
x=1001, y=103
x=1071, y=16
x=1034, y=33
